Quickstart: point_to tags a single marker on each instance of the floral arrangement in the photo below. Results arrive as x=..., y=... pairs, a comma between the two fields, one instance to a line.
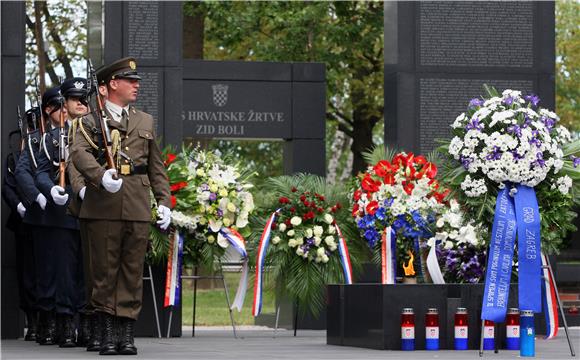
x=507, y=139
x=304, y=250
x=398, y=191
x=459, y=246
x=208, y=195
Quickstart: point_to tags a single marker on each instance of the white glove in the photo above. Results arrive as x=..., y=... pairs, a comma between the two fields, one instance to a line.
x=41, y=200
x=82, y=192
x=21, y=209
x=110, y=184
x=164, y=214
x=59, y=196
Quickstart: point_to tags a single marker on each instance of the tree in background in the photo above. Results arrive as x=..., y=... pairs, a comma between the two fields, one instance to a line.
x=346, y=36
x=57, y=44
x=568, y=62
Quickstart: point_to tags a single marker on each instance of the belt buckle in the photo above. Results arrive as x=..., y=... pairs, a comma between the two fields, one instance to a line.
x=125, y=169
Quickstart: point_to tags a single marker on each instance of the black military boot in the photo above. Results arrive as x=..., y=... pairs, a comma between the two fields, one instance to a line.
x=67, y=336
x=126, y=338
x=84, y=330
x=41, y=327
x=94, y=343
x=49, y=333
x=31, y=325
x=108, y=346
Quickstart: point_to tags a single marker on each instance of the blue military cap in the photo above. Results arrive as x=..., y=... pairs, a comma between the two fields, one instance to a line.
x=52, y=97
x=75, y=87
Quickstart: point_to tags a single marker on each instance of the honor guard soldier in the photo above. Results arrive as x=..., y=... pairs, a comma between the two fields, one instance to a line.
x=34, y=219
x=24, y=245
x=117, y=205
x=75, y=93
x=61, y=248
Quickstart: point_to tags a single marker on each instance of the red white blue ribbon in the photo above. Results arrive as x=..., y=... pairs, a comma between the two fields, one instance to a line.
x=344, y=256
x=260, y=258
x=239, y=244
x=549, y=300
x=388, y=263
x=173, y=275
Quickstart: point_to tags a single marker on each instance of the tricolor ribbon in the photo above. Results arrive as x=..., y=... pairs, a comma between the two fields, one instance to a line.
x=260, y=258
x=173, y=275
x=239, y=244
x=433, y=266
x=388, y=260
x=344, y=256
x=549, y=300
x=519, y=214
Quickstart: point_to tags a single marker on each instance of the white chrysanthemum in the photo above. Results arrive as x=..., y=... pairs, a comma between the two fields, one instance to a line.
x=564, y=184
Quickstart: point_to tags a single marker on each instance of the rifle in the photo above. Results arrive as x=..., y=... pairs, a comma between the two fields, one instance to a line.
x=62, y=147
x=101, y=116
x=39, y=104
x=22, y=132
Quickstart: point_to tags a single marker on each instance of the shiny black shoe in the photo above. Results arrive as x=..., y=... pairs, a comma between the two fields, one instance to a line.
x=67, y=336
x=108, y=346
x=84, y=330
x=94, y=343
x=49, y=332
x=126, y=337
x=31, y=326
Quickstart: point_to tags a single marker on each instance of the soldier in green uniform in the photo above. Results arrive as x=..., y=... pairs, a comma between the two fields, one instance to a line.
x=116, y=206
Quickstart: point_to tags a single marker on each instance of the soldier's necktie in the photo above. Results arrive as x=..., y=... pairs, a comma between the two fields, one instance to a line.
x=124, y=118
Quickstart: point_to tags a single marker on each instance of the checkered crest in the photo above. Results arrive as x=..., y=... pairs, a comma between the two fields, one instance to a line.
x=220, y=94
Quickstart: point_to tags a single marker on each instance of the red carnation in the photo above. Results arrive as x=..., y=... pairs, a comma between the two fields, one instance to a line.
x=302, y=198
x=309, y=215
x=173, y=201
x=292, y=210
x=372, y=207
x=306, y=203
x=287, y=222
x=284, y=200
x=178, y=186
x=320, y=210
x=338, y=206
x=169, y=158
x=274, y=225
x=294, y=189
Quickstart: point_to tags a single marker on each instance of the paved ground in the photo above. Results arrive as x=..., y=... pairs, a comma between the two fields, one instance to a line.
x=260, y=344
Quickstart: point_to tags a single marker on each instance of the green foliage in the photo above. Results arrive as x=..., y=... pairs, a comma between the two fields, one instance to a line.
x=568, y=63
x=303, y=280
x=346, y=36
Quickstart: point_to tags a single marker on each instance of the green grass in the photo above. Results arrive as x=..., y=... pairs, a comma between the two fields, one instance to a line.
x=211, y=306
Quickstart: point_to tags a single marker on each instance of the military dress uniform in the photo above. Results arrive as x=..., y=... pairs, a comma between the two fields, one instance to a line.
x=34, y=220
x=77, y=88
x=24, y=245
x=118, y=223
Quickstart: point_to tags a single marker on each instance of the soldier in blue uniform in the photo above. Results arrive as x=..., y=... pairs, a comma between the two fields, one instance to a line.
x=75, y=93
x=62, y=232
x=33, y=218
x=24, y=245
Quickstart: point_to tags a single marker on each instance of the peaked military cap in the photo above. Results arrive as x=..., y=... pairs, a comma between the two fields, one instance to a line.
x=125, y=68
x=75, y=87
x=51, y=96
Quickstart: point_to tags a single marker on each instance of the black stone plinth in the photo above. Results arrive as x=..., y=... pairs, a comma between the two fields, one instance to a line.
x=369, y=315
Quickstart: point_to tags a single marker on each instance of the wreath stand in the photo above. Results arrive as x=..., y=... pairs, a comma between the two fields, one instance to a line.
x=150, y=279
x=572, y=351
x=195, y=277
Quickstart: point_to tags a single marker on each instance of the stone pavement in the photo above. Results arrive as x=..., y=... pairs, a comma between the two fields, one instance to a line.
x=259, y=343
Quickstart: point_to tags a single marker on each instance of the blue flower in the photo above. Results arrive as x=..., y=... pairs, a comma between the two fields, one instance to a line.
x=475, y=102
x=381, y=213
x=533, y=99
